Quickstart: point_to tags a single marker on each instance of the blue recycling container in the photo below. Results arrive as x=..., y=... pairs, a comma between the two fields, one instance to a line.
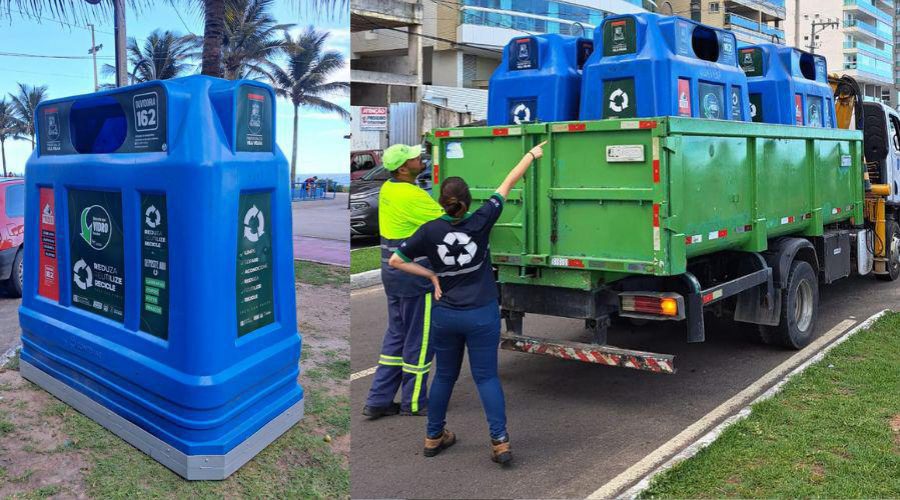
x=539, y=79
x=159, y=287
x=787, y=86
x=651, y=65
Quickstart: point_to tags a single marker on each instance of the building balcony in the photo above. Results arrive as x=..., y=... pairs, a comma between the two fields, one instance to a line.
x=765, y=31
x=772, y=8
x=867, y=7
x=887, y=53
x=855, y=26
x=868, y=73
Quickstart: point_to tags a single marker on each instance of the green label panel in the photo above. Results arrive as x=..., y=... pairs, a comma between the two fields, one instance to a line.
x=751, y=61
x=712, y=102
x=619, y=37
x=142, y=112
x=619, y=98
x=155, y=265
x=96, y=252
x=255, y=303
x=254, y=119
x=756, y=109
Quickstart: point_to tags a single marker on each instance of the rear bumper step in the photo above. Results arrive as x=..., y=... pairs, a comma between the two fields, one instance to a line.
x=590, y=353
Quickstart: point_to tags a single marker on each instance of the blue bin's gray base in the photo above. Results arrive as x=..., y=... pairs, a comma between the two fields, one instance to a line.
x=192, y=467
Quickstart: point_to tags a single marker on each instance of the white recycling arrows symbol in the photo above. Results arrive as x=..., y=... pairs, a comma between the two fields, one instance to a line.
x=615, y=97
x=521, y=114
x=249, y=232
x=468, y=251
x=88, y=281
x=152, y=216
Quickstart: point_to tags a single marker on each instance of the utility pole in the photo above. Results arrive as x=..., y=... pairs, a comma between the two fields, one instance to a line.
x=121, y=60
x=817, y=26
x=93, y=51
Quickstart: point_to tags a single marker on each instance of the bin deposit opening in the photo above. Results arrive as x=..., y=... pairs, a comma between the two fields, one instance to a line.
x=808, y=66
x=97, y=125
x=705, y=43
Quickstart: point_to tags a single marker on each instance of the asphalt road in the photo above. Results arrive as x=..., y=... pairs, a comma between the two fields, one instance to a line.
x=326, y=219
x=573, y=426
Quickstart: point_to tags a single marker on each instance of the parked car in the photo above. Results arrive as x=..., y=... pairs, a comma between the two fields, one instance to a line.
x=363, y=161
x=364, y=197
x=12, y=233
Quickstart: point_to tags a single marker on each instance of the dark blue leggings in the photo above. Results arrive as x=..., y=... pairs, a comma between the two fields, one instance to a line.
x=452, y=331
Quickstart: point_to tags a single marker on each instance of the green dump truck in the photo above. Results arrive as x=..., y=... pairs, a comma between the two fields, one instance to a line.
x=661, y=218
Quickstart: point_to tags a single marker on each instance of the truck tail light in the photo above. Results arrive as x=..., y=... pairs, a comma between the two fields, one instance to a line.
x=652, y=304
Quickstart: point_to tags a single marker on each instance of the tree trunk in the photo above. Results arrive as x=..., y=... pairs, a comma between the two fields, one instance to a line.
x=3, y=154
x=212, y=37
x=31, y=138
x=294, y=152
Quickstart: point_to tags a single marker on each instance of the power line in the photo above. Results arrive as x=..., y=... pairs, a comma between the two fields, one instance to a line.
x=46, y=56
x=63, y=23
x=64, y=75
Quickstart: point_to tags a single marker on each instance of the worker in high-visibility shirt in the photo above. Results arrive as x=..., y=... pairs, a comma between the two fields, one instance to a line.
x=405, y=354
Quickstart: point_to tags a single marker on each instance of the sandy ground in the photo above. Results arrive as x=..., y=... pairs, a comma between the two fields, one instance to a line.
x=38, y=458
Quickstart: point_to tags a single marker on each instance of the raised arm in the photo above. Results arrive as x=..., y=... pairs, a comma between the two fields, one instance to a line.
x=519, y=170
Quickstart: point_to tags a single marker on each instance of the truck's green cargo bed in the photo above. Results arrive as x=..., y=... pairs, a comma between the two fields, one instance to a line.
x=613, y=198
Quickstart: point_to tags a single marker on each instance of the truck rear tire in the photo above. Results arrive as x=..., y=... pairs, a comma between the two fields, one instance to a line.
x=892, y=235
x=799, y=309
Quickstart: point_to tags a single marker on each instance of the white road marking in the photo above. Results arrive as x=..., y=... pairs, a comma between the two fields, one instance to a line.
x=658, y=457
x=363, y=373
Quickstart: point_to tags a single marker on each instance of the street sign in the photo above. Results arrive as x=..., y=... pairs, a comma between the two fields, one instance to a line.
x=373, y=118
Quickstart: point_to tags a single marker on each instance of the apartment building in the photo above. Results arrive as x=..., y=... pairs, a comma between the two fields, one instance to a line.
x=861, y=44
x=752, y=21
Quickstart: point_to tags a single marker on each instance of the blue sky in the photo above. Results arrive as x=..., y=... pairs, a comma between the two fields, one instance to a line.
x=322, y=148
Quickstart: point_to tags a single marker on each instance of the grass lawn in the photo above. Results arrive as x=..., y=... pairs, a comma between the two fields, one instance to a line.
x=833, y=432
x=63, y=453
x=365, y=259
x=313, y=273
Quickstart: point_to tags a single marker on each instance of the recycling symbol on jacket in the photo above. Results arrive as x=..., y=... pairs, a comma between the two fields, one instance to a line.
x=465, y=256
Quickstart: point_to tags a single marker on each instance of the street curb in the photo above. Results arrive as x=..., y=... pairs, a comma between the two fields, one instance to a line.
x=346, y=266
x=365, y=279
x=708, y=438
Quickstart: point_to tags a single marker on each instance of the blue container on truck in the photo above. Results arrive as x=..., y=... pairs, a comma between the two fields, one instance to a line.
x=539, y=79
x=648, y=65
x=787, y=86
x=159, y=287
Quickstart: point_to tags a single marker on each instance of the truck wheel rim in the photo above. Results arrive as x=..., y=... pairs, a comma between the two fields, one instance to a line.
x=19, y=272
x=803, y=306
x=895, y=251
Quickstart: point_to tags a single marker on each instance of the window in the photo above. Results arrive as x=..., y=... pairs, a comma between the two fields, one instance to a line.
x=15, y=200
x=892, y=131
x=714, y=6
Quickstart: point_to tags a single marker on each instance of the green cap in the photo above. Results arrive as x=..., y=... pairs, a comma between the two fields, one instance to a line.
x=395, y=156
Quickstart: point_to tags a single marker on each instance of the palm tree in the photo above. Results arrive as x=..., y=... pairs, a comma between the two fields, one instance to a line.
x=251, y=39
x=162, y=56
x=305, y=79
x=24, y=104
x=213, y=12
x=10, y=126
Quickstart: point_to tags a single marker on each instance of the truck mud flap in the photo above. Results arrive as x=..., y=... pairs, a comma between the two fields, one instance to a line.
x=590, y=353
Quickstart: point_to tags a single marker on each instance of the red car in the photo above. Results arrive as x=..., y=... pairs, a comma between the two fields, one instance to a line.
x=12, y=233
x=363, y=161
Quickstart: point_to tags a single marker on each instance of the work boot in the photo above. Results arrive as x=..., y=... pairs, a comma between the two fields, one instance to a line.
x=435, y=445
x=406, y=412
x=374, y=412
x=500, y=451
